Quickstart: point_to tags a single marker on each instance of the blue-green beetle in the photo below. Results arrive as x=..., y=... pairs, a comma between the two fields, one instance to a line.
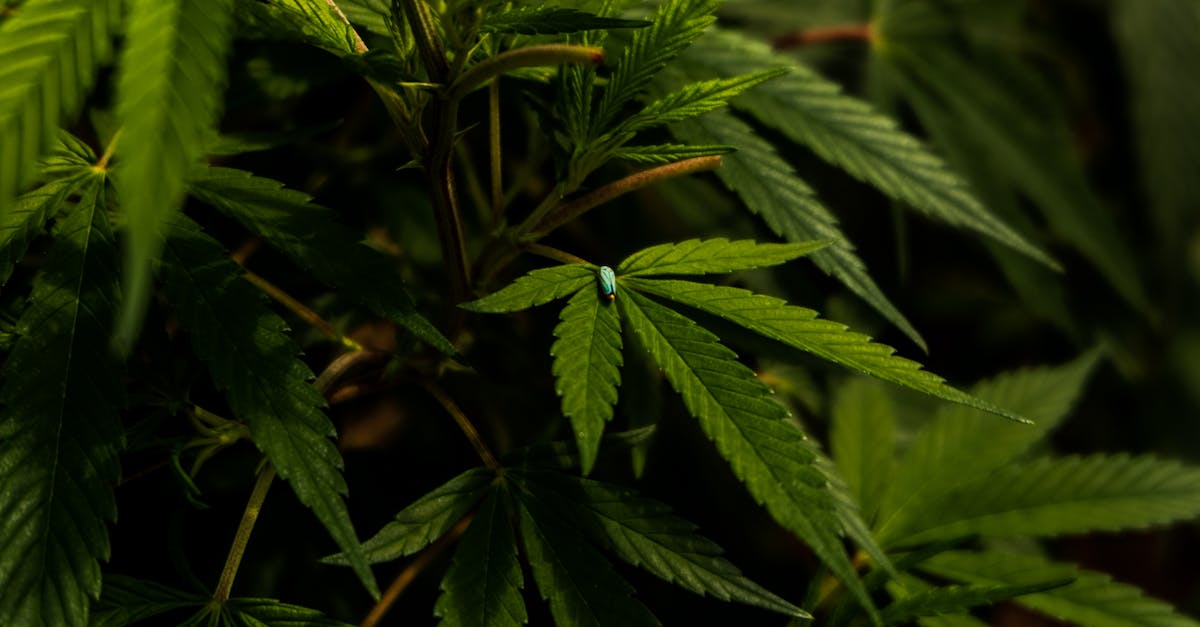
x=608, y=282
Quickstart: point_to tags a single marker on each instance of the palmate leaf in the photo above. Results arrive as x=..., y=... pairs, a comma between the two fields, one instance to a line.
x=1033, y=146
x=126, y=600
x=51, y=49
x=587, y=368
x=483, y=586
x=951, y=599
x=60, y=434
x=668, y=153
x=712, y=256
x=849, y=133
x=676, y=24
x=692, y=100
x=749, y=428
x=645, y=533
x=254, y=362
x=769, y=187
x=800, y=328
x=312, y=21
x=1048, y=497
x=1092, y=599
x=573, y=577
x=957, y=447
x=308, y=234
x=272, y=613
x=426, y=520
x=550, y=20
x=25, y=220
x=536, y=288
x=861, y=439
x=170, y=79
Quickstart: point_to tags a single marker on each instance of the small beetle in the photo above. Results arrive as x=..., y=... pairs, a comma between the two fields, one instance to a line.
x=608, y=282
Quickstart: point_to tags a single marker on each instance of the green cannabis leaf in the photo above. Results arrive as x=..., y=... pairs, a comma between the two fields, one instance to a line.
x=587, y=363
x=483, y=585
x=53, y=48
x=549, y=20
x=308, y=234
x=427, y=519
x=255, y=363
x=1090, y=599
x=60, y=430
x=172, y=71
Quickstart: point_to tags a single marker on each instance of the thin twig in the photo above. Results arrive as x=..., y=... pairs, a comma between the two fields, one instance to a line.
x=825, y=34
x=464, y=423
x=242, y=537
x=571, y=210
x=309, y=316
x=359, y=45
x=102, y=164
x=494, y=149
x=410, y=572
x=555, y=254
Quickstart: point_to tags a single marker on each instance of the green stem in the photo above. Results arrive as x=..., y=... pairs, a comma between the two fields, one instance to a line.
x=242, y=538
x=571, y=210
x=307, y=315
x=465, y=424
x=102, y=164
x=494, y=150
x=529, y=56
x=555, y=254
x=429, y=44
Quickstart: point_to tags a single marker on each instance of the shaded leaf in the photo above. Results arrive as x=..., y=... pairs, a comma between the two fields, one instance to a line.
x=849, y=133
x=573, y=577
x=169, y=96
x=692, y=100
x=483, y=586
x=315, y=22
x=426, y=520
x=800, y=328
x=272, y=613
x=646, y=533
x=950, y=599
x=51, y=50
x=862, y=442
x=549, y=20
x=675, y=25
x=308, y=234
x=957, y=447
x=536, y=288
x=24, y=221
x=127, y=600
x=667, y=153
x=737, y=413
x=253, y=361
x=710, y=256
x=1093, y=598
x=60, y=433
x=587, y=362
x=770, y=187
x=1047, y=497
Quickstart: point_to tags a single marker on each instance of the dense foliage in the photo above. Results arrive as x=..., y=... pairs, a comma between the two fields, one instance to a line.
x=499, y=343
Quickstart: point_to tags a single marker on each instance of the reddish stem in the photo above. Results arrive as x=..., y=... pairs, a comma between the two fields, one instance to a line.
x=825, y=34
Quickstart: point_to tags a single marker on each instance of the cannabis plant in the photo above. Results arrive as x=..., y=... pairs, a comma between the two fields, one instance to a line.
x=499, y=342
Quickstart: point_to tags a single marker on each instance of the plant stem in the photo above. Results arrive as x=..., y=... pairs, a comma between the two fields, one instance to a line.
x=410, y=572
x=825, y=34
x=300, y=309
x=359, y=45
x=494, y=150
x=102, y=164
x=528, y=56
x=464, y=423
x=571, y=210
x=433, y=54
x=242, y=537
x=555, y=254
